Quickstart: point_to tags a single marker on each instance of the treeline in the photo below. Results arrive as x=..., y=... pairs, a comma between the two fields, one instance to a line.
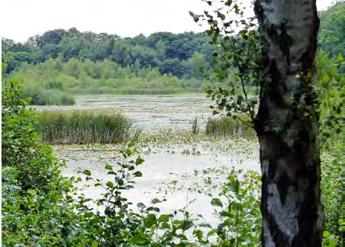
x=176, y=54
x=60, y=63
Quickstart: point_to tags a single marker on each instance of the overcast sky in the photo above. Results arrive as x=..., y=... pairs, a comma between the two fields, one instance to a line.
x=20, y=19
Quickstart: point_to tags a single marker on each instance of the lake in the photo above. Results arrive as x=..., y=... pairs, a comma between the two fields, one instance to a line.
x=149, y=112
x=174, y=169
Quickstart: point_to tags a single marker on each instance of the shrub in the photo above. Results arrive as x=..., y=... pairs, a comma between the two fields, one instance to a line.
x=39, y=96
x=238, y=207
x=34, y=206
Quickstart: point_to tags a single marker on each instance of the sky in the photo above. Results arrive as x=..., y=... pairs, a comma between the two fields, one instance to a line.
x=21, y=19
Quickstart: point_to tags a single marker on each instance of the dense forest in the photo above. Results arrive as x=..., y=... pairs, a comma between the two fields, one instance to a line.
x=166, y=51
x=74, y=62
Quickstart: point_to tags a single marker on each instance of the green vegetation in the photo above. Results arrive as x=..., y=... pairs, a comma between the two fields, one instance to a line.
x=228, y=126
x=34, y=201
x=59, y=64
x=177, y=54
x=332, y=33
x=39, y=96
x=81, y=127
x=53, y=81
x=41, y=208
x=239, y=61
x=331, y=94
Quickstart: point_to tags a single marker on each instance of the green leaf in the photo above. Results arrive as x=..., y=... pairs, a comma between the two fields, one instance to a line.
x=155, y=200
x=216, y=202
x=164, y=218
x=137, y=174
x=326, y=234
x=199, y=234
x=108, y=167
x=150, y=220
x=187, y=224
x=340, y=58
x=110, y=184
x=139, y=161
x=87, y=172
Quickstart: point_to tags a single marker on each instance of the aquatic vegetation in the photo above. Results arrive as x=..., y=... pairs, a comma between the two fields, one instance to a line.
x=195, y=126
x=228, y=126
x=83, y=127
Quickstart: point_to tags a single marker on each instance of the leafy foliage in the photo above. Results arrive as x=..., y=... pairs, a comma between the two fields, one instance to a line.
x=332, y=31
x=331, y=94
x=41, y=208
x=34, y=206
x=237, y=61
x=238, y=206
x=169, y=53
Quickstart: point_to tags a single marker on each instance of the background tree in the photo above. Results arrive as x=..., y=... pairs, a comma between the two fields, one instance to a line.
x=332, y=30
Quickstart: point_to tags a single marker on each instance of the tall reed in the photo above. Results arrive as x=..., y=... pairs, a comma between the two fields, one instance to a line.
x=227, y=126
x=81, y=127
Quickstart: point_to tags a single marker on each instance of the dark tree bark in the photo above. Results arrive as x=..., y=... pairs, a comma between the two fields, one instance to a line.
x=287, y=124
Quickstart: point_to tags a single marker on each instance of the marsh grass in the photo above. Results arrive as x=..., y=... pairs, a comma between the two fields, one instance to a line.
x=195, y=126
x=227, y=126
x=82, y=127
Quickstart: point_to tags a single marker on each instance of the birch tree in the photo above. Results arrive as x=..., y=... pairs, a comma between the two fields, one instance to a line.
x=287, y=124
x=286, y=120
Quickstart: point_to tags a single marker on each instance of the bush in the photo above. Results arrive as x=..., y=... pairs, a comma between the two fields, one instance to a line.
x=34, y=205
x=81, y=127
x=39, y=96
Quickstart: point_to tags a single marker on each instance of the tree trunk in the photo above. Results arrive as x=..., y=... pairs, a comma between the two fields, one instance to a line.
x=287, y=124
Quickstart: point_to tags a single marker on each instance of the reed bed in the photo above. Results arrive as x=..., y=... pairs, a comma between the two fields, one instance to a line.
x=227, y=126
x=82, y=127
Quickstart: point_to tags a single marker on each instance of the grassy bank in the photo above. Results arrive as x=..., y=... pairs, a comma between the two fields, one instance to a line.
x=81, y=127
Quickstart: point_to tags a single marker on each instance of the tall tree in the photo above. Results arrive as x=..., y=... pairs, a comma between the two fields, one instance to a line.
x=287, y=124
x=286, y=121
